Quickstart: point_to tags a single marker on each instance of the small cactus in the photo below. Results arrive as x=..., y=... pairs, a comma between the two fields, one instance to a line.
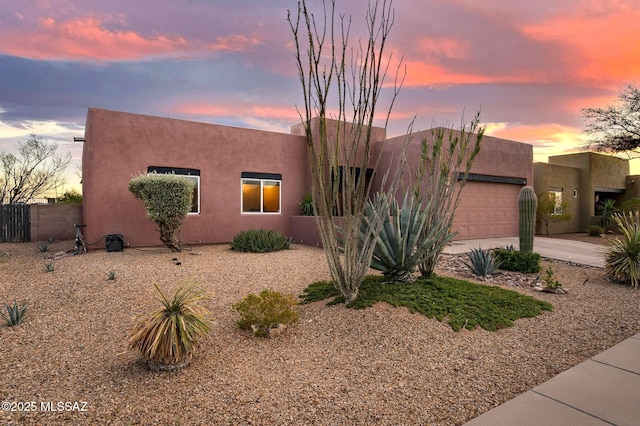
x=527, y=204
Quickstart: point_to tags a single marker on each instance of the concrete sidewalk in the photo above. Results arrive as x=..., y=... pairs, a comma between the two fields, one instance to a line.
x=552, y=248
x=602, y=390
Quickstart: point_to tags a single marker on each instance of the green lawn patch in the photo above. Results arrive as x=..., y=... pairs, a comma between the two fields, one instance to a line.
x=462, y=303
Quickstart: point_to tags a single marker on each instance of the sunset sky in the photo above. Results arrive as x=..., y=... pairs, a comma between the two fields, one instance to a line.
x=529, y=66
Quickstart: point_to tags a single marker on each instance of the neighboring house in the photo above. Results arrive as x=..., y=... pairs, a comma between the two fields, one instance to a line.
x=255, y=179
x=584, y=180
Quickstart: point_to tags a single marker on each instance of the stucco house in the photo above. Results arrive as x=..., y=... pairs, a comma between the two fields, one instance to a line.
x=584, y=180
x=255, y=179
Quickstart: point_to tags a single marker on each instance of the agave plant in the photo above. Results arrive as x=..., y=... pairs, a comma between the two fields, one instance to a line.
x=165, y=338
x=482, y=262
x=622, y=257
x=402, y=242
x=15, y=313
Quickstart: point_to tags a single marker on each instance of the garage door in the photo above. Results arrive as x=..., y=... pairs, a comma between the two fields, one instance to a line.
x=487, y=210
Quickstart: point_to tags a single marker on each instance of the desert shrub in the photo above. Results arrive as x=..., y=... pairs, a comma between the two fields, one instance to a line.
x=482, y=262
x=550, y=281
x=267, y=310
x=43, y=246
x=15, y=313
x=166, y=337
x=259, y=241
x=167, y=199
x=49, y=266
x=111, y=275
x=631, y=205
x=306, y=205
x=622, y=256
x=595, y=230
x=511, y=260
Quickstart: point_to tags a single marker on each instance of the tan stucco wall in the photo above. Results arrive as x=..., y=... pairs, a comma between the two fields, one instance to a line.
x=547, y=176
x=121, y=145
x=596, y=171
x=486, y=209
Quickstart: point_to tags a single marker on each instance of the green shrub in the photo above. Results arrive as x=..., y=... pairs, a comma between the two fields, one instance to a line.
x=482, y=263
x=517, y=261
x=167, y=199
x=259, y=241
x=595, y=230
x=550, y=281
x=622, y=256
x=306, y=205
x=631, y=205
x=15, y=313
x=266, y=311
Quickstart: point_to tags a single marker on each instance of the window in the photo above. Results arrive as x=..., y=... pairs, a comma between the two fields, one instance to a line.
x=260, y=192
x=192, y=174
x=556, y=195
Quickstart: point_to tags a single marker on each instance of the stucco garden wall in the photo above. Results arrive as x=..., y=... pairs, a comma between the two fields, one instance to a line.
x=121, y=145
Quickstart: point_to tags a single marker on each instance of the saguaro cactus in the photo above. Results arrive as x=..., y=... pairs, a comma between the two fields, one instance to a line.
x=527, y=204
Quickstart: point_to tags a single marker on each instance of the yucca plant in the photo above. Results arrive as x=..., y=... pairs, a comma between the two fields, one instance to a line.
x=15, y=313
x=403, y=241
x=622, y=257
x=166, y=338
x=43, y=246
x=482, y=262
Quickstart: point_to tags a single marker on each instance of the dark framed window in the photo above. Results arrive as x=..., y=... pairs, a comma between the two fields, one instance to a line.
x=193, y=174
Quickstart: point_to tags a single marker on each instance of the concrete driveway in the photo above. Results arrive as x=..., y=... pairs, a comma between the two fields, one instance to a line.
x=552, y=248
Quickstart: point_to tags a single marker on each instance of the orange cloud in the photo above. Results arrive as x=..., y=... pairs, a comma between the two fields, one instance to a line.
x=603, y=47
x=86, y=38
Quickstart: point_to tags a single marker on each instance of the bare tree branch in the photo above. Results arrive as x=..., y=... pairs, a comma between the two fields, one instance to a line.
x=36, y=170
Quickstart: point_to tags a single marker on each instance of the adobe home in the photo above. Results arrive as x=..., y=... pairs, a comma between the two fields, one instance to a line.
x=255, y=179
x=584, y=180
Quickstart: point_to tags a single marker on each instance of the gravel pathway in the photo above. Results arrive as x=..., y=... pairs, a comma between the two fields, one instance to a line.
x=381, y=365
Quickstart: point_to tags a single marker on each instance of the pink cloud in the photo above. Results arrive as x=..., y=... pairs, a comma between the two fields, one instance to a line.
x=86, y=38
x=599, y=47
x=238, y=110
x=234, y=43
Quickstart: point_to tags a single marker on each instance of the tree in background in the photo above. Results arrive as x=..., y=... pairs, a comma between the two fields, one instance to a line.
x=34, y=171
x=548, y=210
x=616, y=128
x=348, y=80
x=167, y=199
x=70, y=197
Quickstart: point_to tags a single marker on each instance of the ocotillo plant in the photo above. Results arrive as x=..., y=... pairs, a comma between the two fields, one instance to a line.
x=527, y=203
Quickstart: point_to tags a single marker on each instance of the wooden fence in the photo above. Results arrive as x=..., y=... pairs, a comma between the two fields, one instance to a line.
x=15, y=223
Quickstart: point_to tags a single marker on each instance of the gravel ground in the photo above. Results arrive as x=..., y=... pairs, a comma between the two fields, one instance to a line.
x=381, y=365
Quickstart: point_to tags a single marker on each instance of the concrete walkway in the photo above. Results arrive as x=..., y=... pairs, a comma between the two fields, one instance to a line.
x=600, y=391
x=552, y=248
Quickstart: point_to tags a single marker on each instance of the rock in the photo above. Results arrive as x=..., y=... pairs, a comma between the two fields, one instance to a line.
x=538, y=288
